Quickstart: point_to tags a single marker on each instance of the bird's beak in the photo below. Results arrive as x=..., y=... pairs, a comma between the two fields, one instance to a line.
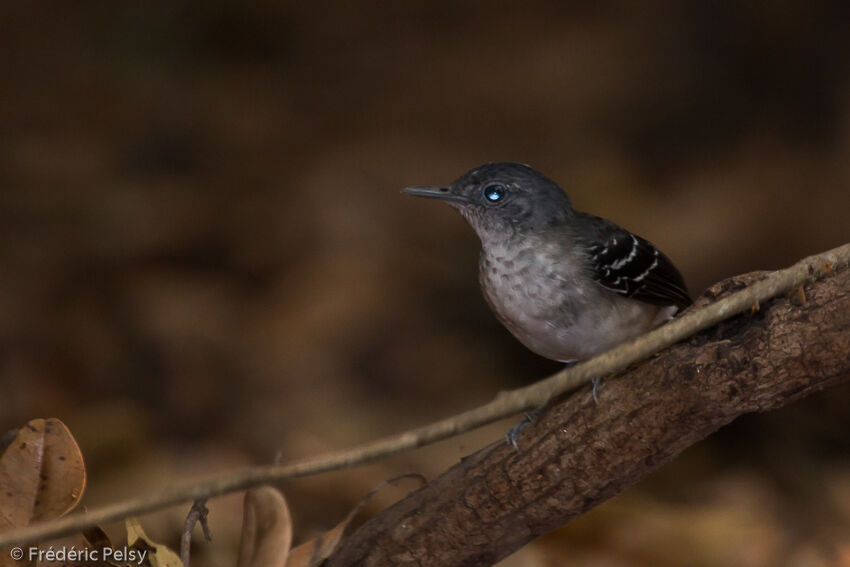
x=435, y=192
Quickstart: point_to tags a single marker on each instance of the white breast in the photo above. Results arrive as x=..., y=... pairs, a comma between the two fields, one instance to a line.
x=534, y=291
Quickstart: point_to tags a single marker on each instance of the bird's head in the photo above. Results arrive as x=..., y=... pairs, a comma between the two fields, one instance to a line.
x=503, y=199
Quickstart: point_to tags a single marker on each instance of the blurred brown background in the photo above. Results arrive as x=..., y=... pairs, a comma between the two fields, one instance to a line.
x=205, y=261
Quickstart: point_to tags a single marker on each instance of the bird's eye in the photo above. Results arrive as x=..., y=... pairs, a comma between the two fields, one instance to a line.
x=495, y=192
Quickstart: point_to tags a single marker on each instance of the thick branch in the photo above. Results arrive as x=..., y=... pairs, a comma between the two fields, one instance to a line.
x=580, y=454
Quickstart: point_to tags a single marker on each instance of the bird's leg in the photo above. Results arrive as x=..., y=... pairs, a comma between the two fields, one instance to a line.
x=513, y=433
x=597, y=382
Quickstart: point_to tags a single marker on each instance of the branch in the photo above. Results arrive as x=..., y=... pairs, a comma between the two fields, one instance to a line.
x=580, y=453
x=505, y=404
x=198, y=513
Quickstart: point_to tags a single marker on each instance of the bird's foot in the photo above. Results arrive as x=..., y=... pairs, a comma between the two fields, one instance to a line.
x=597, y=382
x=513, y=434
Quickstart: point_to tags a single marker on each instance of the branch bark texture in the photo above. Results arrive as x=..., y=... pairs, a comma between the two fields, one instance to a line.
x=580, y=454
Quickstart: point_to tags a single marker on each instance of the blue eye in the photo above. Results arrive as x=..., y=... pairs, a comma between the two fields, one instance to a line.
x=495, y=192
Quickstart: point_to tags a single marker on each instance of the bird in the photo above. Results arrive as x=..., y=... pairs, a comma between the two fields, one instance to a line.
x=567, y=284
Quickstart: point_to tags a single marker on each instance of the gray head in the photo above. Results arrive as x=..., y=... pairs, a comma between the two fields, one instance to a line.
x=502, y=199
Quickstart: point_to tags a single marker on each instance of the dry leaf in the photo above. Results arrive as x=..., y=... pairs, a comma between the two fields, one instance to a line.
x=42, y=475
x=266, y=529
x=157, y=554
x=96, y=539
x=313, y=552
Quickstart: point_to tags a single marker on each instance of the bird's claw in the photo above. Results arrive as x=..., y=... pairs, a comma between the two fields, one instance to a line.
x=512, y=436
x=597, y=382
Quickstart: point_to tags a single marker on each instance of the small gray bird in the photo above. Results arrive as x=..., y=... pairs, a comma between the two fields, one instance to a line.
x=567, y=284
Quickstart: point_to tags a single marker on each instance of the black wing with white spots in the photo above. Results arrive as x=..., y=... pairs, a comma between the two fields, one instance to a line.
x=632, y=266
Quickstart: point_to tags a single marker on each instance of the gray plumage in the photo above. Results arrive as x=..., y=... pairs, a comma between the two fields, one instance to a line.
x=567, y=284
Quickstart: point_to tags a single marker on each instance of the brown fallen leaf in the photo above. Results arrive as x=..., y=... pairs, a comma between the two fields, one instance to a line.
x=42, y=475
x=313, y=552
x=145, y=549
x=266, y=529
x=95, y=539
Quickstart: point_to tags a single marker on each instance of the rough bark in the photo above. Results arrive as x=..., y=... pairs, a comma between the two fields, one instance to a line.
x=579, y=453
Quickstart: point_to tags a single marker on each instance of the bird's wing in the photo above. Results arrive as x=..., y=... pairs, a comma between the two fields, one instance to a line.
x=632, y=266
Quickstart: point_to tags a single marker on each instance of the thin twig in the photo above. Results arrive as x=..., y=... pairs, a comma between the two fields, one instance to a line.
x=505, y=404
x=198, y=513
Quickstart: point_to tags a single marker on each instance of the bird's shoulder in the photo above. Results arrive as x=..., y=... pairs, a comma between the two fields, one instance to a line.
x=630, y=265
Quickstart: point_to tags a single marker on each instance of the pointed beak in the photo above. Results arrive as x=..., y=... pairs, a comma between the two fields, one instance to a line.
x=435, y=192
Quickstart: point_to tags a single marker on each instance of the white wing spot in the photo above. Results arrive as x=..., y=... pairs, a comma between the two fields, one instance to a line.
x=622, y=262
x=649, y=269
